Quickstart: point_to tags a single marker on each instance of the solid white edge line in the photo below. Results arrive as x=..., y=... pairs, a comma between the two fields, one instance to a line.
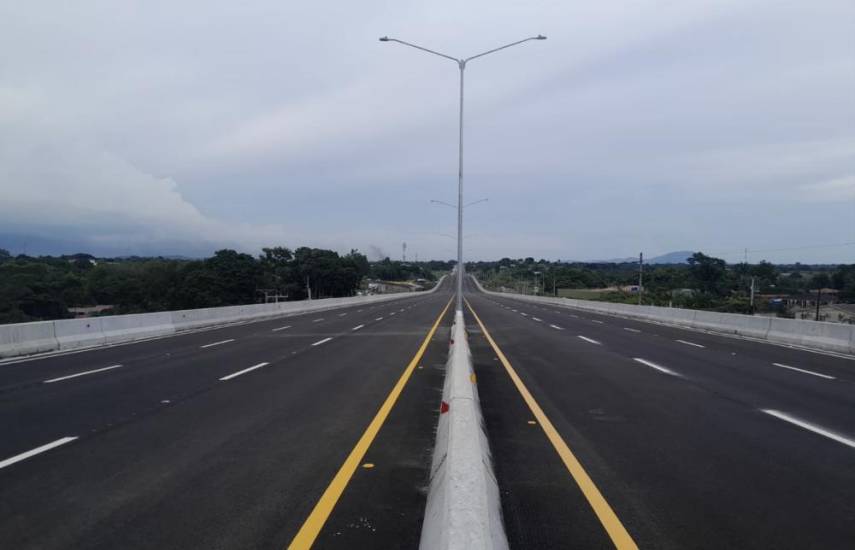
x=357, y=327
x=244, y=371
x=324, y=341
x=52, y=380
x=217, y=343
x=37, y=450
x=783, y=366
x=660, y=368
x=281, y=328
x=556, y=327
x=590, y=340
x=690, y=343
x=810, y=427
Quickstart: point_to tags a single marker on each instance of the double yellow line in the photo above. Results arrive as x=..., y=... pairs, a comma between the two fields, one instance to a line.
x=314, y=523
x=613, y=526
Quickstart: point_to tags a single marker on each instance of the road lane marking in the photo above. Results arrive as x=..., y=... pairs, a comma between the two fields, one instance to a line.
x=591, y=340
x=690, y=343
x=221, y=342
x=613, y=526
x=342, y=314
x=307, y=534
x=281, y=328
x=538, y=320
x=631, y=329
x=523, y=314
x=660, y=368
x=597, y=321
x=324, y=341
x=804, y=371
x=810, y=427
x=556, y=327
x=574, y=315
x=378, y=319
x=357, y=327
x=244, y=371
x=84, y=373
x=393, y=313
x=37, y=450
x=318, y=320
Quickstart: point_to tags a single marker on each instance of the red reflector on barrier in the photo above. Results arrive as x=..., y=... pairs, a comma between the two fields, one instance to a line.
x=443, y=407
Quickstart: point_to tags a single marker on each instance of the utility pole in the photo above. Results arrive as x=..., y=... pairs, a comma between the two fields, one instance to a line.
x=640, y=275
x=404, y=253
x=752, y=295
x=818, y=298
x=308, y=288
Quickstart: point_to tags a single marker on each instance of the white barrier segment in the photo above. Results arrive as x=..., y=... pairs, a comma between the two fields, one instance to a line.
x=27, y=338
x=463, y=510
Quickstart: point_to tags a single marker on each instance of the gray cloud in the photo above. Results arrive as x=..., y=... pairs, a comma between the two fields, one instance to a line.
x=650, y=126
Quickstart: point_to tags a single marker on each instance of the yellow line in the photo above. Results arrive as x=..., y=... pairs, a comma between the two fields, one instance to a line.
x=305, y=538
x=619, y=535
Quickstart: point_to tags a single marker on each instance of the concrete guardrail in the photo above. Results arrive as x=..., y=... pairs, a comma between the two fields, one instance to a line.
x=21, y=339
x=836, y=337
x=463, y=510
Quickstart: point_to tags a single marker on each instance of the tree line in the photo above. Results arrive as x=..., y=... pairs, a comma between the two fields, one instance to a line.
x=38, y=288
x=704, y=282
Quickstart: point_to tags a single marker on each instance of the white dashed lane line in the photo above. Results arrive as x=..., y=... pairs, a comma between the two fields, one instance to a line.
x=244, y=371
x=597, y=321
x=812, y=373
x=357, y=327
x=217, y=343
x=810, y=427
x=690, y=343
x=538, y=320
x=589, y=340
x=652, y=365
x=318, y=320
x=84, y=373
x=281, y=328
x=378, y=319
x=324, y=341
x=631, y=329
x=556, y=327
x=37, y=450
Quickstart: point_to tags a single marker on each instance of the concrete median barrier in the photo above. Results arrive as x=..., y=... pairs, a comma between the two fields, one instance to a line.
x=463, y=510
x=124, y=328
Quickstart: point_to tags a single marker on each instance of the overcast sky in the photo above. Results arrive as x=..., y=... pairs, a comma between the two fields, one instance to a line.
x=182, y=127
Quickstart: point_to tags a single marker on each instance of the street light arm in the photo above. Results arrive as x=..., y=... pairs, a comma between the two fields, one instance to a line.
x=538, y=37
x=443, y=203
x=474, y=203
x=387, y=39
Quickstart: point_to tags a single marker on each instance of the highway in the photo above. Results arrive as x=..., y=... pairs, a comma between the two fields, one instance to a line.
x=318, y=429
x=692, y=440
x=227, y=438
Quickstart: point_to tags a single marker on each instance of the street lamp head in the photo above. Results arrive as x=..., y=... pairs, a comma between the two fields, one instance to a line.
x=538, y=37
x=384, y=39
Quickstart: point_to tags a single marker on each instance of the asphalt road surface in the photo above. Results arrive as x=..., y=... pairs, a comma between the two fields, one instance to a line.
x=318, y=429
x=692, y=440
x=228, y=438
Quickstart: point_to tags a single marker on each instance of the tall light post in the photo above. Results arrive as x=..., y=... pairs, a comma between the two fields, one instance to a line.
x=461, y=63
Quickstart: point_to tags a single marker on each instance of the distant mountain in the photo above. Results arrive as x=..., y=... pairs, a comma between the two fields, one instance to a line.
x=678, y=257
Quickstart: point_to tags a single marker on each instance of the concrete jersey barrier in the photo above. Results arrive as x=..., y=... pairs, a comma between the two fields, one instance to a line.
x=818, y=335
x=69, y=334
x=463, y=510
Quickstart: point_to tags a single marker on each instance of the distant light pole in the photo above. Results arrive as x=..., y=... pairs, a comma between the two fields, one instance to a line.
x=461, y=63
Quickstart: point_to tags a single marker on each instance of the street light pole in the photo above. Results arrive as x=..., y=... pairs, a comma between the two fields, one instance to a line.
x=461, y=63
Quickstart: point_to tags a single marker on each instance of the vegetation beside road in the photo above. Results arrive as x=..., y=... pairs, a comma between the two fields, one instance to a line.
x=704, y=282
x=33, y=289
